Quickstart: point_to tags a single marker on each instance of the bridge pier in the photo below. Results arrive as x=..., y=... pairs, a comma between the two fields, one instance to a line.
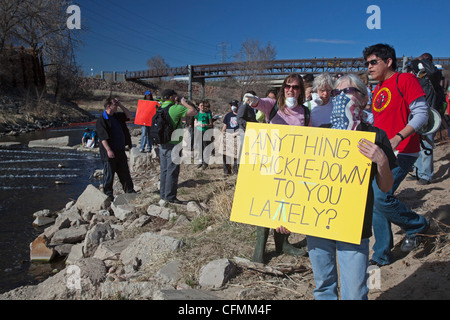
x=192, y=80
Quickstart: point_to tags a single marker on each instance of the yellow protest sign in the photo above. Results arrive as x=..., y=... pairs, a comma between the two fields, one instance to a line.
x=313, y=181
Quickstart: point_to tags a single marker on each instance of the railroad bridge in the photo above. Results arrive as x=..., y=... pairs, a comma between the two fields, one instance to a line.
x=272, y=70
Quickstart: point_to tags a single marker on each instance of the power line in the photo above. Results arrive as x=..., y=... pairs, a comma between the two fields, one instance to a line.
x=176, y=33
x=162, y=42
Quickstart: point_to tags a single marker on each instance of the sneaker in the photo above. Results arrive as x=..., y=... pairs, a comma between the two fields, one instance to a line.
x=409, y=244
x=200, y=165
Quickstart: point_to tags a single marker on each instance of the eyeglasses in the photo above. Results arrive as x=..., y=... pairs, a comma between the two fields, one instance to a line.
x=373, y=62
x=295, y=87
x=349, y=90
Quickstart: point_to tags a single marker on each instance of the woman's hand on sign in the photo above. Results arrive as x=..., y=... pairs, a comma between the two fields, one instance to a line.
x=372, y=151
x=282, y=230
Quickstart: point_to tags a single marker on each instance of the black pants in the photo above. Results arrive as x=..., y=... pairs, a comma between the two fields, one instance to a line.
x=118, y=165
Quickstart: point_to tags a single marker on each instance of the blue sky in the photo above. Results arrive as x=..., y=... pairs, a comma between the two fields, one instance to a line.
x=123, y=35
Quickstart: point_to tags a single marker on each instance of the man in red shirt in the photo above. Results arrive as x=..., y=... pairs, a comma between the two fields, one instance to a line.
x=400, y=109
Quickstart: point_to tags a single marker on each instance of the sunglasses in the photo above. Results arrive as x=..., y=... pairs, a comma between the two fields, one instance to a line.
x=373, y=62
x=349, y=90
x=295, y=87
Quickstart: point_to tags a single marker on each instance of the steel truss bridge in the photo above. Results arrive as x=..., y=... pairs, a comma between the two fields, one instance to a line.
x=270, y=70
x=200, y=73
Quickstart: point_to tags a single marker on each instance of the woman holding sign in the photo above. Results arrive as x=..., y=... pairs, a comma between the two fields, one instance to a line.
x=286, y=109
x=349, y=99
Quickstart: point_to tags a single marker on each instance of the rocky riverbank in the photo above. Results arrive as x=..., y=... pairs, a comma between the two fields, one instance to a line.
x=134, y=248
x=22, y=112
x=110, y=248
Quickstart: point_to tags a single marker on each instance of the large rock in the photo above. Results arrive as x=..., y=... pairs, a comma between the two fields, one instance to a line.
x=171, y=272
x=65, y=219
x=42, y=221
x=50, y=143
x=70, y=235
x=123, y=211
x=161, y=212
x=80, y=281
x=97, y=234
x=141, y=161
x=123, y=205
x=111, y=250
x=216, y=273
x=146, y=248
x=76, y=253
x=91, y=201
x=39, y=251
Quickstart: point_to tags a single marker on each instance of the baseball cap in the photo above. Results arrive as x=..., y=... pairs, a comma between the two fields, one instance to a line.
x=168, y=93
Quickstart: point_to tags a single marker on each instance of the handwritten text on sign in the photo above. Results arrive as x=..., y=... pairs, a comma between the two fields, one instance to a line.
x=312, y=181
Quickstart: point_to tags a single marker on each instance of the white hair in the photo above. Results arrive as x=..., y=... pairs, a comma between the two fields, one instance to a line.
x=322, y=82
x=356, y=82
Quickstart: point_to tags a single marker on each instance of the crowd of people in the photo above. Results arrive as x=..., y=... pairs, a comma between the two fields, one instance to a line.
x=395, y=110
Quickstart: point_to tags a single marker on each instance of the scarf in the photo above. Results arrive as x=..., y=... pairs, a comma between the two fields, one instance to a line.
x=346, y=114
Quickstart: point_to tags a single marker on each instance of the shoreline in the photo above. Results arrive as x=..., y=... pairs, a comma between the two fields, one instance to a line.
x=124, y=266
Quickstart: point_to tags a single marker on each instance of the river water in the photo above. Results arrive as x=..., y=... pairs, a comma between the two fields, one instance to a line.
x=27, y=185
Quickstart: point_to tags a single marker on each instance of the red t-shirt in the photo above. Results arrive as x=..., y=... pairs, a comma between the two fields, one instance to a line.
x=391, y=111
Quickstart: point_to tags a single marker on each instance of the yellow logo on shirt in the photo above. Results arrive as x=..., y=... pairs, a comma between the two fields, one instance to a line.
x=382, y=100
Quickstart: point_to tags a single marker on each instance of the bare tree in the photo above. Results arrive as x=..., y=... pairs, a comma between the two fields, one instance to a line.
x=157, y=63
x=253, y=59
x=41, y=26
x=9, y=19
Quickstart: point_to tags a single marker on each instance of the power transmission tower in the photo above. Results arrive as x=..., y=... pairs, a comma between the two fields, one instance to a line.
x=223, y=51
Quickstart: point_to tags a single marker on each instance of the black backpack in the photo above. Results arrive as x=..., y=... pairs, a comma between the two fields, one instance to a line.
x=432, y=85
x=162, y=128
x=274, y=111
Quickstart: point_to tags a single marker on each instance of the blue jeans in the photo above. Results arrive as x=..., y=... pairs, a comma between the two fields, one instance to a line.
x=353, y=263
x=424, y=163
x=169, y=173
x=145, y=139
x=388, y=209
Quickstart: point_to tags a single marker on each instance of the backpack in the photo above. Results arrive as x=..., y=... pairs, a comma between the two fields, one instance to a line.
x=430, y=78
x=307, y=113
x=162, y=128
x=427, y=151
